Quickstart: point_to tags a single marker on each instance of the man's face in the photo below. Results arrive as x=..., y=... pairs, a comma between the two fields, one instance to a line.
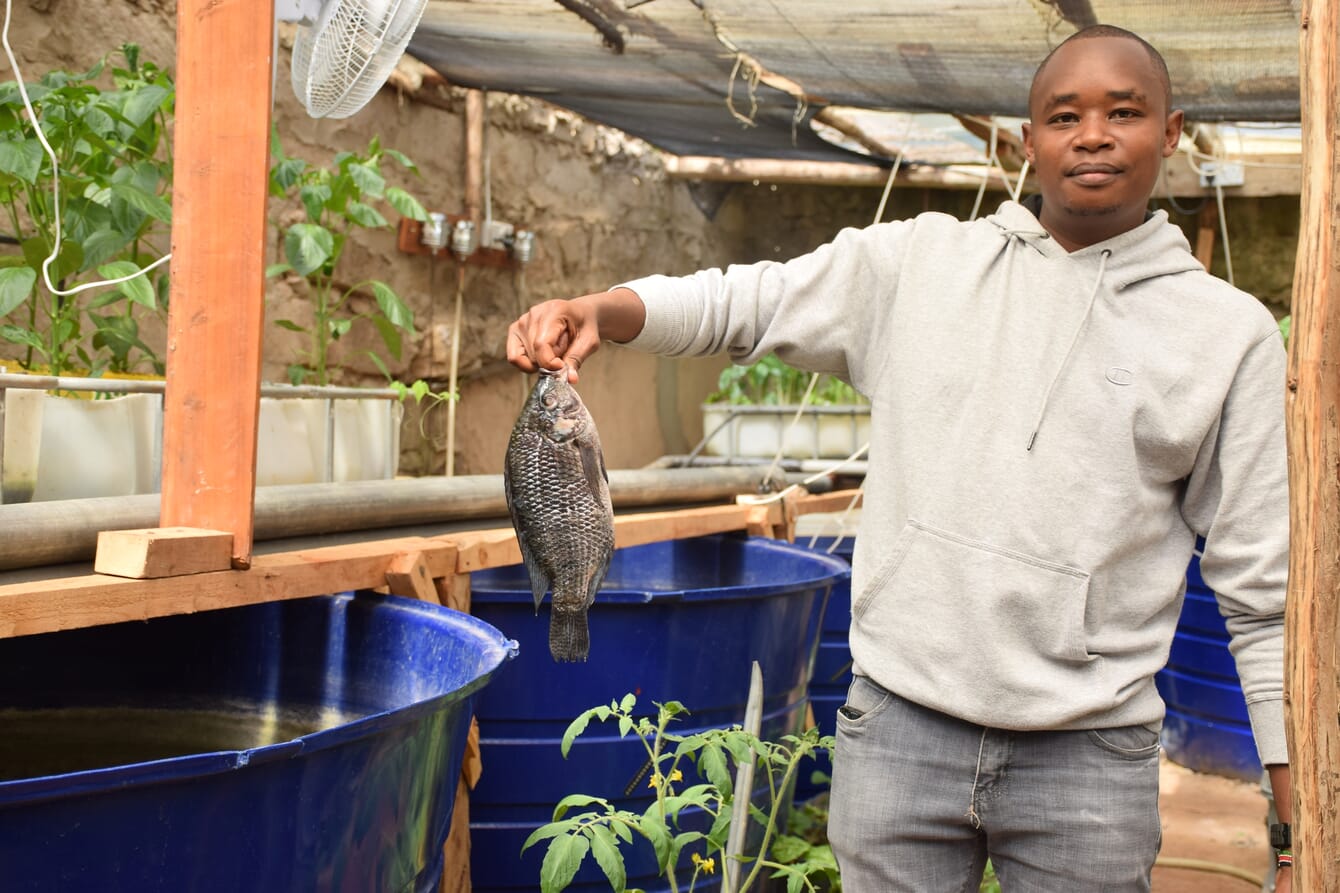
x=1097, y=135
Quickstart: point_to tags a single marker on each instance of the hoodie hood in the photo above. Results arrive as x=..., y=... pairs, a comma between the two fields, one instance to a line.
x=1152, y=249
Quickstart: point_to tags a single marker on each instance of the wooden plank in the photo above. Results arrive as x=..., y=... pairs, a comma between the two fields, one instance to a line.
x=1312, y=618
x=162, y=552
x=822, y=503
x=497, y=547
x=74, y=602
x=220, y=170
x=408, y=575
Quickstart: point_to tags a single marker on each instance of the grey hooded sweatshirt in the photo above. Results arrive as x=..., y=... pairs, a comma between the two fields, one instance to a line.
x=1050, y=433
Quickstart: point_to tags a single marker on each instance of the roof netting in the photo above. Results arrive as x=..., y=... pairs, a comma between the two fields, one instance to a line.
x=744, y=78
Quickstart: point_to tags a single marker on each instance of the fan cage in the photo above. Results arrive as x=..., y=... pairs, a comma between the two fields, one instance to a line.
x=343, y=60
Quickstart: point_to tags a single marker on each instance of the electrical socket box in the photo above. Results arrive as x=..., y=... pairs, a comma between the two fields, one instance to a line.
x=496, y=234
x=1222, y=173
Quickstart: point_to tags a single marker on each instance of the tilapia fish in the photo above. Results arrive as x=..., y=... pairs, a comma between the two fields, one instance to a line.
x=558, y=496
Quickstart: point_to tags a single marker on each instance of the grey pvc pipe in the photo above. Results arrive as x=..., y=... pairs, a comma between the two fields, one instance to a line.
x=58, y=532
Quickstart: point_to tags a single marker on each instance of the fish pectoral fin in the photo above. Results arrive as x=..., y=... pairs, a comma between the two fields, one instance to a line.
x=593, y=467
x=539, y=580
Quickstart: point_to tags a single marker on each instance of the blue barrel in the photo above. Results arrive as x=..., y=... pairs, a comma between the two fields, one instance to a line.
x=1206, y=727
x=312, y=744
x=832, y=667
x=677, y=620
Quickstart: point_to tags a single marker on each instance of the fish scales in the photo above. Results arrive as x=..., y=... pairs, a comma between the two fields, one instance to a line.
x=558, y=497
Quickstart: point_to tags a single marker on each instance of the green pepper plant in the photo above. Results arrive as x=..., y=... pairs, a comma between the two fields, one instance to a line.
x=107, y=197
x=337, y=201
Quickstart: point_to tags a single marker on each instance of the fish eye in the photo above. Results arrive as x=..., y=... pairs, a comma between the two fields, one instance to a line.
x=549, y=401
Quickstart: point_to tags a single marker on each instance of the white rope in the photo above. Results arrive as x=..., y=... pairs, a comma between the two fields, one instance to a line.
x=986, y=174
x=819, y=475
x=55, y=179
x=814, y=378
x=1209, y=171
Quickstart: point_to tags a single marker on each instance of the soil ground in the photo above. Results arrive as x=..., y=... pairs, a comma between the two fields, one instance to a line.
x=1214, y=819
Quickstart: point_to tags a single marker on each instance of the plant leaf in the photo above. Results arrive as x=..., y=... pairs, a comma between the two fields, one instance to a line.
x=575, y=728
x=285, y=173
x=561, y=862
x=406, y=204
x=139, y=290
x=400, y=157
x=21, y=159
x=16, y=283
x=544, y=832
x=315, y=197
x=140, y=200
x=365, y=215
x=390, y=335
x=394, y=309
x=308, y=246
x=103, y=245
x=26, y=337
x=572, y=800
x=607, y=855
x=276, y=270
x=289, y=325
x=366, y=178
x=144, y=102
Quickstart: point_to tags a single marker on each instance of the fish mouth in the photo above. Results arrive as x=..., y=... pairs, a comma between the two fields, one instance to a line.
x=554, y=372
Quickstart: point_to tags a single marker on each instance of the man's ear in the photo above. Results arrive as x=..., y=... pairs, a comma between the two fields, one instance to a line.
x=1172, y=132
x=1028, y=141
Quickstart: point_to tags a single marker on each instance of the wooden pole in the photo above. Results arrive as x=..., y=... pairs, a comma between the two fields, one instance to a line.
x=1312, y=621
x=221, y=146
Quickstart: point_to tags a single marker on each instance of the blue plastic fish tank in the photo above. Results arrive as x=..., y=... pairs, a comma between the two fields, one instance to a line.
x=312, y=744
x=676, y=620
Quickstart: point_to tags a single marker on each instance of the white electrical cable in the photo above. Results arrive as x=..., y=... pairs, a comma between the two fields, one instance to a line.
x=55, y=179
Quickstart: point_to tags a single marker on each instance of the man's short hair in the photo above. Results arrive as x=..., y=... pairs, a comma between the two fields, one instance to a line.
x=1160, y=66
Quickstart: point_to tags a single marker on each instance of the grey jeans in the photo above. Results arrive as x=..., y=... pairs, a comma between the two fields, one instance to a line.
x=920, y=801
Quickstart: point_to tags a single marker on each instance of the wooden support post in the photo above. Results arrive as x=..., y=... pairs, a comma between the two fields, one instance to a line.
x=1312, y=619
x=1207, y=222
x=220, y=169
x=162, y=552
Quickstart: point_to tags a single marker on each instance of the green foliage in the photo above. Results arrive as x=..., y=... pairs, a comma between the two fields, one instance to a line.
x=770, y=382
x=337, y=201
x=583, y=825
x=115, y=176
x=1286, y=325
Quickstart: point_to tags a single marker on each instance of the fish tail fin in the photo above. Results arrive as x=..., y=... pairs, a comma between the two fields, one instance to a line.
x=568, y=636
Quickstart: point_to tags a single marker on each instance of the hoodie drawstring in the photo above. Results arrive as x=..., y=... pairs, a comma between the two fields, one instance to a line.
x=1084, y=321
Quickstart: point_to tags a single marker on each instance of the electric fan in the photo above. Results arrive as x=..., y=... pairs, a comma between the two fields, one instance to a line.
x=345, y=49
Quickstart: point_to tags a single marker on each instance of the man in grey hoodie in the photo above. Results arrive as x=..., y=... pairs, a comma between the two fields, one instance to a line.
x=1062, y=401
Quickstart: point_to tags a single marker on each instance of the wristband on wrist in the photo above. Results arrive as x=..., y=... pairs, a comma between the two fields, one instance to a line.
x=1283, y=859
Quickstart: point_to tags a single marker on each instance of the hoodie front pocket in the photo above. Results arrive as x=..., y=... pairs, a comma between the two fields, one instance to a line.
x=967, y=595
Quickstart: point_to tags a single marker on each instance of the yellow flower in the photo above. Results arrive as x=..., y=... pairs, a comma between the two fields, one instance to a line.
x=706, y=866
x=657, y=779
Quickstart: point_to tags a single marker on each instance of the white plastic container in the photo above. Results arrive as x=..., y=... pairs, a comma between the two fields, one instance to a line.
x=822, y=432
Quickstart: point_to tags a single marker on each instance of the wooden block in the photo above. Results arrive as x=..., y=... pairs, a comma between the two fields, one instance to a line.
x=407, y=574
x=162, y=552
x=454, y=592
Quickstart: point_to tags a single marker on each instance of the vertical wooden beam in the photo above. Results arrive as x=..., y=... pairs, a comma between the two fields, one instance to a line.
x=474, y=155
x=1312, y=621
x=221, y=152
